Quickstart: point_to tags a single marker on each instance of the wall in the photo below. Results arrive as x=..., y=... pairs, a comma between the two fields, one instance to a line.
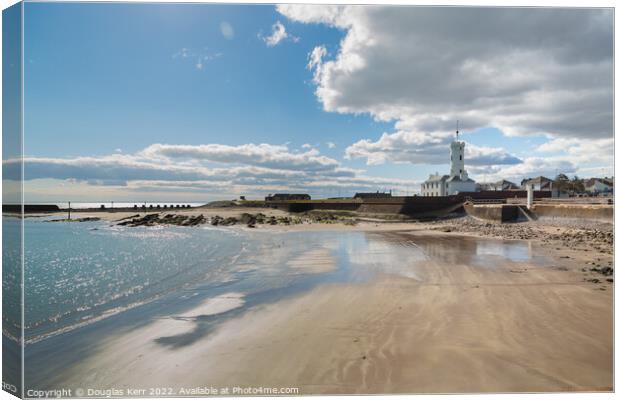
x=593, y=212
x=460, y=187
x=493, y=212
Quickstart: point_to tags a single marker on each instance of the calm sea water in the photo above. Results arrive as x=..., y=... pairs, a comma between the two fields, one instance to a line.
x=76, y=273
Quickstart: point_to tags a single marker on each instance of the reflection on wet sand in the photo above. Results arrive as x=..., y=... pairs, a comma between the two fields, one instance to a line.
x=464, y=250
x=381, y=313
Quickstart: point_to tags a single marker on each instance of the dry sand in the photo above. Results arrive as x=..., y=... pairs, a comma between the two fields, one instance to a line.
x=457, y=328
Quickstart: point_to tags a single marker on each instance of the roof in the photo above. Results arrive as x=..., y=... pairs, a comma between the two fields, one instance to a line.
x=436, y=178
x=538, y=179
x=592, y=181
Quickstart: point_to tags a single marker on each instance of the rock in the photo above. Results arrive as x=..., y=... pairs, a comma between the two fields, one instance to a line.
x=130, y=217
x=168, y=219
x=247, y=219
x=229, y=221
x=606, y=271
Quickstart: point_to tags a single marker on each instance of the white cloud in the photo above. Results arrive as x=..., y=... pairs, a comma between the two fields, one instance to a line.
x=529, y=168
x=227, y=30
x=315, y=59
x=330, y=145
x=521, y=70
x=278, y=34
x=416, y=148
x=248, y=168
x=581, y=150
x=264, y=155
x=570, y=156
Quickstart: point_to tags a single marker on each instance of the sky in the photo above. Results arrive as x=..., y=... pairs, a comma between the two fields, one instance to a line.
x=190, y=102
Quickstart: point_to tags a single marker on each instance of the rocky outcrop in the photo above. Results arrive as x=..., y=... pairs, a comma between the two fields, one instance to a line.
x=168, y=219
x=247, y=219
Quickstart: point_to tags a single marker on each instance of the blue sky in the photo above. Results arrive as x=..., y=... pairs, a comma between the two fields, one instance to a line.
x=104, y=83
x=111, y=79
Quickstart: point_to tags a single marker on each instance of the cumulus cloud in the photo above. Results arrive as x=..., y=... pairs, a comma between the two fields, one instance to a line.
x=523, y=71
x=416, y=148
x=278, y=34
x=315, y=58
x=264, y=155
x=248, y=168
x=581, y=150
x=530, y=167
x=570, y=156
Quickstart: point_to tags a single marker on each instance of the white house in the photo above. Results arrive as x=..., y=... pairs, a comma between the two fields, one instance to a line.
x=596, y=185
x=457, y=181
x=497, y=186
x=435, y=185
x=538, y=183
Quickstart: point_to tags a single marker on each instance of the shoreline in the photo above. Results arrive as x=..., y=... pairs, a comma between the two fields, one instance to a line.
x=551, y=231
x=539, y=323
x=509, y=326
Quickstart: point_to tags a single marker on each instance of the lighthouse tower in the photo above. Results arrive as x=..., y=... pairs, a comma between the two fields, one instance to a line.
x=457, y=158
x=457, y=181
x=457, y=162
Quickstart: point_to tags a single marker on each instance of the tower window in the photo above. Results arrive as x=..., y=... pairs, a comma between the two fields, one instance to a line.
x=461, y=157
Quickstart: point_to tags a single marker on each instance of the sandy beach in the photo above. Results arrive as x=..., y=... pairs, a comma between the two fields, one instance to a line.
x=467, y=318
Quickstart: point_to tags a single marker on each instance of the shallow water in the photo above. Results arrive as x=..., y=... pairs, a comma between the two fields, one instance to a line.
x=88, y=281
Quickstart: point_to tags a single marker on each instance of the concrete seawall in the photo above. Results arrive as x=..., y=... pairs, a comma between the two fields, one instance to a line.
x=411, y=206
x=594, y=212
x=510, y=212
x=493, y=212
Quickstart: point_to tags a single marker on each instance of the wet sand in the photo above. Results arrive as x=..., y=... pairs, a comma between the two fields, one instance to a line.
x=471, y=319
